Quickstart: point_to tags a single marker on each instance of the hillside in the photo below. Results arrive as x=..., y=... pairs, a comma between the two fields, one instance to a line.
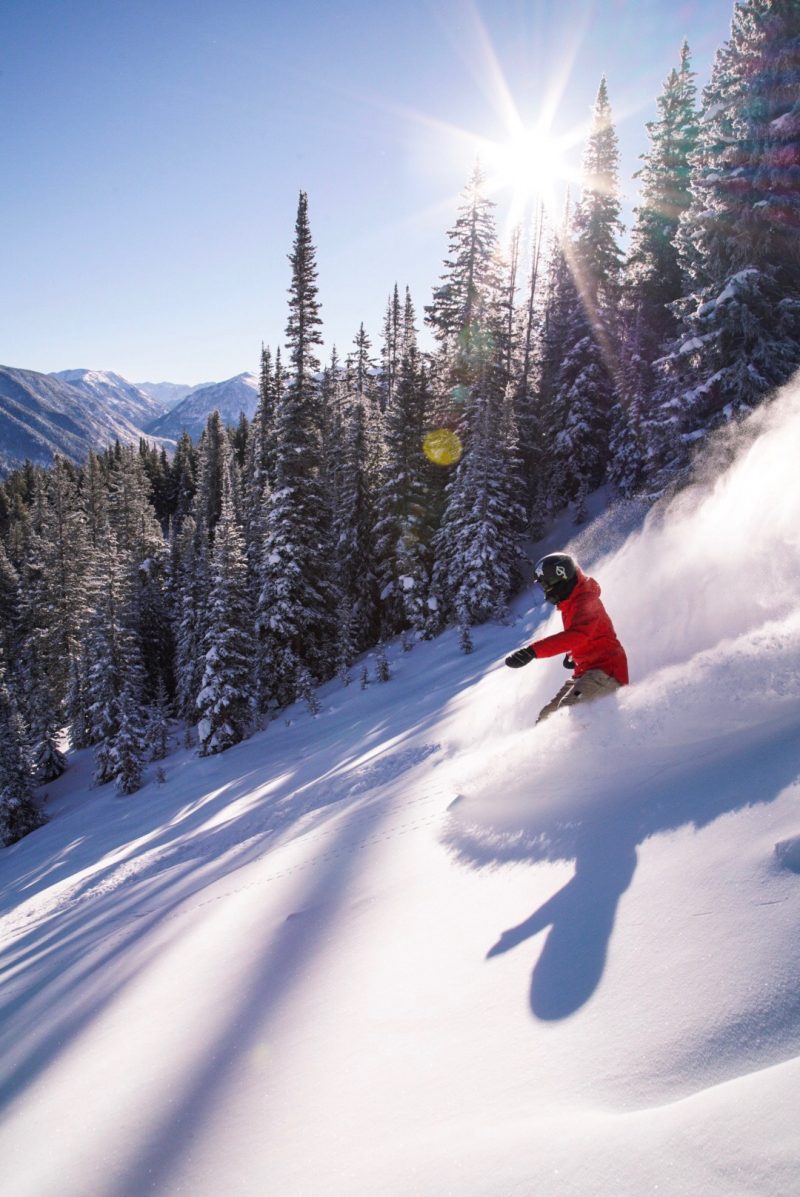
x=67, y=414
x=414, y=946
x=229, y=398
x=115, y=394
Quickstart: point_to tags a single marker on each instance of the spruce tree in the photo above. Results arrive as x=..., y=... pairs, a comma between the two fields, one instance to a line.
x=404, y=524
x=353, y=500
x=18, y=811
x=297, y=600
x=210, y=456
x=225, y=704
x=588, y=377
x=476, y=545
x=553, y=479
x=739, y=332
x=182, y=481
x=654, y=274
x=392, y=348
x=527, y=374
x=190, y=586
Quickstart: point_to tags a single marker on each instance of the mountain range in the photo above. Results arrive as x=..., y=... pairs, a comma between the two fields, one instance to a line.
x=73, y=411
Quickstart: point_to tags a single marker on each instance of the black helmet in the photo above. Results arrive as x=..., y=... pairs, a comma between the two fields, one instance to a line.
x=557, y=574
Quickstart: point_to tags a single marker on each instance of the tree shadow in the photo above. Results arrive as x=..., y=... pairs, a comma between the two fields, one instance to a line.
x=68, y=966
x=737, y=771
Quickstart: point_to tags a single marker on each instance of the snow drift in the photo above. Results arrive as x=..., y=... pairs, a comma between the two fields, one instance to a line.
x=414, y=946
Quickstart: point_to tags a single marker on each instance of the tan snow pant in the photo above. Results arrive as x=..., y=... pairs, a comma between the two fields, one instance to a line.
x=592, y=684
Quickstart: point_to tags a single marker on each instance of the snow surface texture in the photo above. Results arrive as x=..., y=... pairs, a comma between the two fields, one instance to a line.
x=414, y=946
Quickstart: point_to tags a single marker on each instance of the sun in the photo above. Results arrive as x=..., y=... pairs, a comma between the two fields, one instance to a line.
x=531, y=167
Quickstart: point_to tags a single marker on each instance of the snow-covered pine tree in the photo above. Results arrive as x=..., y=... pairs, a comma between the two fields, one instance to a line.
x=477, y=544
x=158, y=735
x=210, y=456
x=552, y=480
x=527, y=374
x=144, y=563
x=404, y=521
x=130, y=748
x=259, y=471
x=477, y=547
x=9, y=611
x=226, y=702
x=18, y=812
x=52, y=613
x=588, y=377
x=112, y=648
x=190, y=585
x=739, y=332
x=350, y=476
x=182, y=481
x=654, y=277
x=392, y=348
x=297, y=601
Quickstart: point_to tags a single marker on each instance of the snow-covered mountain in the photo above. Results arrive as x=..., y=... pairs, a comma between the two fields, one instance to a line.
x=43, y=414
x=116, y=394
x=168, y=394
x=229, y=398
x=416, y=945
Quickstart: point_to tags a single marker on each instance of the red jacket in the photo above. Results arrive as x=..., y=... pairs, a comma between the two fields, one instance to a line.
x=588, y=635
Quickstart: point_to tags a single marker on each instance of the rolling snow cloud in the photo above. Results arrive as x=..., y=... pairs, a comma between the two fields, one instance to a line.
x=705, y=598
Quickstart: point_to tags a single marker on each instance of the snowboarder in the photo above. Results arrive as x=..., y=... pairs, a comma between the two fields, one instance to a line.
x=592, y=649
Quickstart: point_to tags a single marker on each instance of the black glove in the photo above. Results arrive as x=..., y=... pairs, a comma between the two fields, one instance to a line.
x=521, y=657
x=568, y=662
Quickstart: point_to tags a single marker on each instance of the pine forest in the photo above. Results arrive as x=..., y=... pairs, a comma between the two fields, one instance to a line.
x=389, y=491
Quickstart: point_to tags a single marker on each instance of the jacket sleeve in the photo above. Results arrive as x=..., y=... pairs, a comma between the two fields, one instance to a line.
x=576, y=639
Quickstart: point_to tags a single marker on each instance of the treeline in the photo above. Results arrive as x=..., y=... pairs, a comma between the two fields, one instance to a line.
x=389, y=492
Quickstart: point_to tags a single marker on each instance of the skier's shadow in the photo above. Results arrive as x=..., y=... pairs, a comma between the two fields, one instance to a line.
x=738, y=771
x=581, y=918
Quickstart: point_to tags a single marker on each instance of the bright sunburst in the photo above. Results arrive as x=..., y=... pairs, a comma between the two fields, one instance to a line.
x=531, y=167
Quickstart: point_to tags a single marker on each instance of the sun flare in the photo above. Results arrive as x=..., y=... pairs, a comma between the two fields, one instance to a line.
x=531, y=167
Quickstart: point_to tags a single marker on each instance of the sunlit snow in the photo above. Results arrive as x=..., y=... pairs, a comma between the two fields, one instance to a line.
x=416, y=946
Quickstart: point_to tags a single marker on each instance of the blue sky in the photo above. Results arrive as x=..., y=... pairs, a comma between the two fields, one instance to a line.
x=153, y=152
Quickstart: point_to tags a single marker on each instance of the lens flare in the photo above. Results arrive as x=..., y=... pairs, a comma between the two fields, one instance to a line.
x=442, y=447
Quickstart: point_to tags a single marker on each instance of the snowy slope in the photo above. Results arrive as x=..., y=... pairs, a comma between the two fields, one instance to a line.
x=413, y=946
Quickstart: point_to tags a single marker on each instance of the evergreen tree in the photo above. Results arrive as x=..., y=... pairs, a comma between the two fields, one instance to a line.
x=190, y=587
x=353, y=506
x=158, y=724
x=654, y=276
x=739, y=332
x=470, y=284
x=18, y=812
x=210, y=457
x=588, y=376
x=297, y=600
x=129, y=747
x=553, y=479
x=182, y=481
x=225, y=704
x=112, y=648
x=476, y=545
x=404, y=523
x=9, y=611
x=392, y=348
x=528, y=369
